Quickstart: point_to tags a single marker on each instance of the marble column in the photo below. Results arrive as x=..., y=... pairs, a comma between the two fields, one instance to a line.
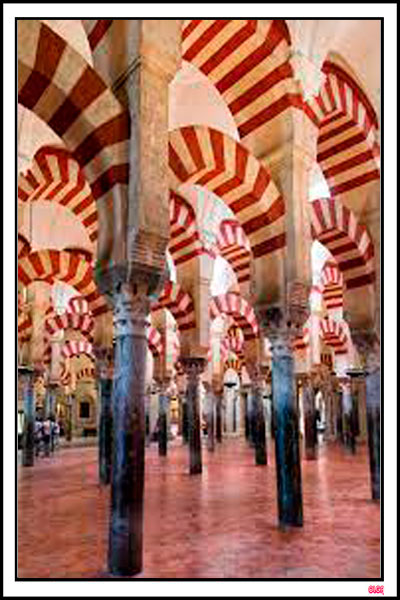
x=259, y=439
x=368, y=346
x=281, y=326
x=163, y=407
x=218, y=416
x=193, y=368
x=310, y=429
x=185, y=422
x=105, y=430
x=211, y=423
x=68, y=431
x=246, y=415
x=28, y=439
x=128, y=395
x=348, y=420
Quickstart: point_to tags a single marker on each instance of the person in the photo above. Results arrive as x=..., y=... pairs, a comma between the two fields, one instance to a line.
x=46, y=436
x=38, y=434
x=56, y=434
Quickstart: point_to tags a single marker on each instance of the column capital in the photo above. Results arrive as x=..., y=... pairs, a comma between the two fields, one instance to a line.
x=104, y=361
x=193, y=366
x=131, y=308
x=368, y=347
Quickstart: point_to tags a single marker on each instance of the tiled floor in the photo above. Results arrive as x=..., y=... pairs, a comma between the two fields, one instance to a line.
x=221, y=524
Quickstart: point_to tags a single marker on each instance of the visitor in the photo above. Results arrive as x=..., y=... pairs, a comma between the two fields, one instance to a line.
x=38, y=435
x=46, y=436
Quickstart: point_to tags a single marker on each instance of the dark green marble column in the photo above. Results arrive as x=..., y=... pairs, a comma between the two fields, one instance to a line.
x=310, y=429
x=211, y=423
x=125, y=554
x=259, y=439
x=373, y=399
x=163, y=404
x=288, y=467
x=218, y=417
x=105, y=430
x=193, y=368
x=28, y=440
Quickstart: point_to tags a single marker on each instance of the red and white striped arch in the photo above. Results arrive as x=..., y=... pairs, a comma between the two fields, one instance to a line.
x=184, y=241
x=25, y=327
x=332, y=284
x=235, y=306
x=78, y=305
x=333, y=334
x=55, y=265
x=56, y=176
x=248, y=62
x=303, y=342
x=235, y=248
x=65, y=375
x=60, y=87
x=79, y=322
x=348, y=148
x=337, y=228
x=154, y=341
x=76, y=347
x=24, y=246
x=86, y=373
x=180, y=303
x=207, y=157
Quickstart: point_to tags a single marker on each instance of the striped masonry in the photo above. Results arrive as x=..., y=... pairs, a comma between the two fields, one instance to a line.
x=55, y=265
x=207, y=157
x=56, y=176
x=154, y=341
x=25, y=327
x=235, y=248
x=86, y=373
x=180, y=303
x=348, y=141
x=337, y=228
x=60, y=87
x=24, y=246
x=237, y=307
x=76, y=347
x=248, y=62
x=333, y=334
x=184, y=241
x=332, y=284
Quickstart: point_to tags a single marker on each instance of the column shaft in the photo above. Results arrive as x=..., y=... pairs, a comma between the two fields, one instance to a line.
x=259, y=427
x=373, y=391
x=290, y=505
x=195, y=464
x=162, y=424
x=28, y=446
x=105, y=431
x=218, y=420
x=211, y=424
x=126, y=525
x=310, y=426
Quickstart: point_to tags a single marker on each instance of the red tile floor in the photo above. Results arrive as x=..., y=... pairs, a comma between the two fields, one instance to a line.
x=221, y=524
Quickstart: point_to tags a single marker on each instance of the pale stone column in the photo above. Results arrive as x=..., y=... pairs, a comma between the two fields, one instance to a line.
x=368, y=346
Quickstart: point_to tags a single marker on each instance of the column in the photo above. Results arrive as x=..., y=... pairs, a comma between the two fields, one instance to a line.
x=310, y=429
x=128, y=396
x=163, y=407
x=28, y=444
x=281, y=328
x=258, y=418
x=105, y=430
x=348, y=420
x=193, y=368
x=368, y=346
x=210, y=419
x=185, y=422
x=218, y=416
x=68, y=431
